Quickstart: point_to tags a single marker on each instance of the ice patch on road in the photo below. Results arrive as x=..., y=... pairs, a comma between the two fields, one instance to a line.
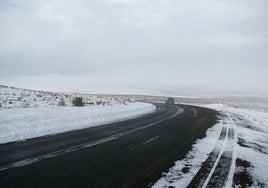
x=18, y=124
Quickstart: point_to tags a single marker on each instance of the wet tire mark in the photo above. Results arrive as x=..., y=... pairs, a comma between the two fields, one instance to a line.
x=203, y=173
x=215, y=170
x=220, y=174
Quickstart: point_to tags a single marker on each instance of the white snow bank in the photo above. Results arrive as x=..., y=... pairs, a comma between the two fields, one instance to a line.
x=257, y=116
x=23, y=123
x=252, y=127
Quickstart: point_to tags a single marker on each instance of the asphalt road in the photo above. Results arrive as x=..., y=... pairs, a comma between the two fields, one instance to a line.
x=131, y=153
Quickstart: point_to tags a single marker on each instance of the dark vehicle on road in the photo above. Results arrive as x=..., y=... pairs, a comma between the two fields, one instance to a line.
x=170, y=100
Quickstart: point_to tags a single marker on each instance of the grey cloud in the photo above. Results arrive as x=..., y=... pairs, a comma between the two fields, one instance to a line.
x=219, y=45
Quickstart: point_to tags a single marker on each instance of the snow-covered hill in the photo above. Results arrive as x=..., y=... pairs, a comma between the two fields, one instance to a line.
x=12, y=97
x=29, y=113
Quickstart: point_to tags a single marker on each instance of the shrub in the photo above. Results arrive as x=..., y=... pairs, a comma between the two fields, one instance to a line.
x=78, y=101
x=99, y=102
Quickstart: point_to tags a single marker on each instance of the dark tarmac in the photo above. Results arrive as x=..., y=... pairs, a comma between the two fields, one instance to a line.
x=131, y=153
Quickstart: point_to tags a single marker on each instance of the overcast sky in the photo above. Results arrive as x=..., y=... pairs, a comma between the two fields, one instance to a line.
x=211, y=46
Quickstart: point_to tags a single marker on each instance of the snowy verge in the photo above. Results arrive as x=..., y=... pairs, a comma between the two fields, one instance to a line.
x=257, y=115
x=18, y=124
x=182, y=173
x=251, y=125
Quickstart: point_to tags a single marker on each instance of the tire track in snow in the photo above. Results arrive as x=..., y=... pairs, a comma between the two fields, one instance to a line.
x=203, y=173
x=215, y=170
x=220, y=174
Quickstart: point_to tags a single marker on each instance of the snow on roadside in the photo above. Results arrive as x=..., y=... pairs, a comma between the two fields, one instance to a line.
x=258, y=117
x=250, y=122
x=18, y=124
x=181, y=174
x=251, y=125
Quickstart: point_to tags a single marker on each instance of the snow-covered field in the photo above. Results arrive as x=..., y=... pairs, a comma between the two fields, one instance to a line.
x=11, y=97
x=42, y=115
x=250, y=147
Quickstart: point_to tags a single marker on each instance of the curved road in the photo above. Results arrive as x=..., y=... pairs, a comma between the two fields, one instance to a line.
x=131, y=153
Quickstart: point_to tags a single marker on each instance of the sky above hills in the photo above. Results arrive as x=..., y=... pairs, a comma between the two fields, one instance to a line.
x=207, y=46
